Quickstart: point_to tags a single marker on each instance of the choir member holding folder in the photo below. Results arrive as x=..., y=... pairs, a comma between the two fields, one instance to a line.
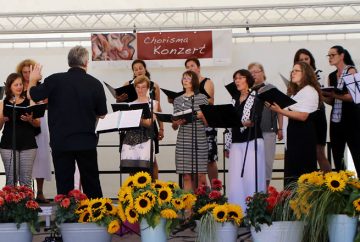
x=139, y=68
x=300, y=135
x=136, y=147
x=243, y=142
x=25, y=143
x=191, y=154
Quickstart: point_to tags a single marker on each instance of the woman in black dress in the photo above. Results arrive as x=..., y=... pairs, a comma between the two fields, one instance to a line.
x=300, y=137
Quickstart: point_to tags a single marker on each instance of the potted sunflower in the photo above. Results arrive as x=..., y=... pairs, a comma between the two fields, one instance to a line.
x=219, y=222
x=270, y=218
x=83, y=219
x=155, y=205
x=330, y=204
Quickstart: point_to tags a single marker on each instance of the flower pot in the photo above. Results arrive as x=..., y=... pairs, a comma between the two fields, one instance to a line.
x=9, y=232
x=342, y=228
x=197, y=225
x=281, y=231
x=84, y=232
x=226, y=232
x=149, y=234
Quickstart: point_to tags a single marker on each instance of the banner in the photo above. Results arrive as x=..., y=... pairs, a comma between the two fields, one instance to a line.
x=174, y=45
x=163, y=48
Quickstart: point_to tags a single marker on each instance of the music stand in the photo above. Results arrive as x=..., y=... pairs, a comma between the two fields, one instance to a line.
x=221, y=116
x=352, y=83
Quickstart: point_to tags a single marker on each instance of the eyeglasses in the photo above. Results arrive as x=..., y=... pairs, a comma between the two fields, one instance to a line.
x=186, y=78
x=295, y=71
x=255, y=72
x=331, y=55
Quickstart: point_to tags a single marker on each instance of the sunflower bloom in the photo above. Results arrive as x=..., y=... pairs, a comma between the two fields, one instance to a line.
x=235, y=212
x=97, y=203
x=141, y=179
x=84, y=204
x=131, y=215
x=173, y=185
x=129, y=182
x=220, y=213
x=168, y=214
x=335, y=183
x=143, y=205
x=151, y=196
x=113, y=227
x=109, y=207
x=158, y=184
x=189, y=200
x=207, y=207
x=96, y=215
x=356, y=204
x=164, y=195
x=84, y=217
x=178, y=203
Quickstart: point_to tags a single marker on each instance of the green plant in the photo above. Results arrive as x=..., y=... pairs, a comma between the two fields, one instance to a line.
x=76, y=207
x=139, y=199
x=17, y=205
x=319, y=195
x=264, y=208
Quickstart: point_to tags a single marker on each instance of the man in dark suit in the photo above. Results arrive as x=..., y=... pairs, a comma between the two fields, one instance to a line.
x=76, y=101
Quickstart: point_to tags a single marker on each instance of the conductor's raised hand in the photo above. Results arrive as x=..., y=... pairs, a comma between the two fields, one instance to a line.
x=35, y=73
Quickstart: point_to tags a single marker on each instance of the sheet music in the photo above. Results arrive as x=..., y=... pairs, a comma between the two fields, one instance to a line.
x=110, y=122
x=353, y=85
x=130, y=119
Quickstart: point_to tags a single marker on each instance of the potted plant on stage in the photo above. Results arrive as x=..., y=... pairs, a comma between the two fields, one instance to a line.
x=207, y=195
x=85, y=220
x=157, y=206
x=270, y=217
x=330, y=205
x=219, y=222
x=18, y=213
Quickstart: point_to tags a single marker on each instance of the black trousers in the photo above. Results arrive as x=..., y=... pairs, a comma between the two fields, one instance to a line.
x=345, y=133
x=64, y=165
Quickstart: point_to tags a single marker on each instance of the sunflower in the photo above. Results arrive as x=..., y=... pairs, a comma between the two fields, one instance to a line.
x=158, y=184
x=143, y=205
x=303, y=178
x=168, y=213
x=150, y=195
x=164, y=195
x=109, y=207
x=207, y=207
x=84, y=217
x=356, y=204
x=96, y=215
x=335, y=183
x=173, y=185
x=131, y=215
x=355, y=184
x=316, y=178
x=129, y=182
x=113, y=227
x=235, y=212
x=84, y=204
x=189, y=200
x=220, y=213
x=344, y=176
x=178, y=203
x=121, y=213
x=96, y=204
x=125, y=195
x=141, y=179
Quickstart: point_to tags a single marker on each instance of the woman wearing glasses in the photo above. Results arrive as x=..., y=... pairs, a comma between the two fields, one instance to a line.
x=300, y=138
x=344, y=118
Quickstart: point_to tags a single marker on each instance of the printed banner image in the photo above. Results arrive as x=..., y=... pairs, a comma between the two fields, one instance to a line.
x=113, y=46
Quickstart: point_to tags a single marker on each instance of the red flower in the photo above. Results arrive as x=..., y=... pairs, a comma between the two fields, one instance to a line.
x=2, y=201
x=59, y=198
x=214, y=194
x=32, y=204
x=9, y=197
x=272, y=191
x=77, y=194
x=271, y=201
x=216, y=184
x=201, y=190
x=65, y=203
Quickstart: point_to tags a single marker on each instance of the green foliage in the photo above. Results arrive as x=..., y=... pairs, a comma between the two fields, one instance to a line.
x=207, y=229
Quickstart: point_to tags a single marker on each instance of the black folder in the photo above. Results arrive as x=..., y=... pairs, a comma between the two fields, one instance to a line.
x=171, y=94
x=334, y=89
x=168, y=118
x=128, y=89
x=234, y=92
x=221, y=116
x=132, y=106
x=273, y=95
x=37, y=110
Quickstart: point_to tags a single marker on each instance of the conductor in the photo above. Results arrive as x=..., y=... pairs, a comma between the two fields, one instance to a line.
x=76, y=100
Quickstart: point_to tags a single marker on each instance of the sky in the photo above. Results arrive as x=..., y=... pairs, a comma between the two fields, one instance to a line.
x=16, y=6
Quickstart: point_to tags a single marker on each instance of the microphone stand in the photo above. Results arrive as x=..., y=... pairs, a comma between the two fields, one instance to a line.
x=254, y=118
x=194, y=143
x=14, y=142
x=152, y=96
